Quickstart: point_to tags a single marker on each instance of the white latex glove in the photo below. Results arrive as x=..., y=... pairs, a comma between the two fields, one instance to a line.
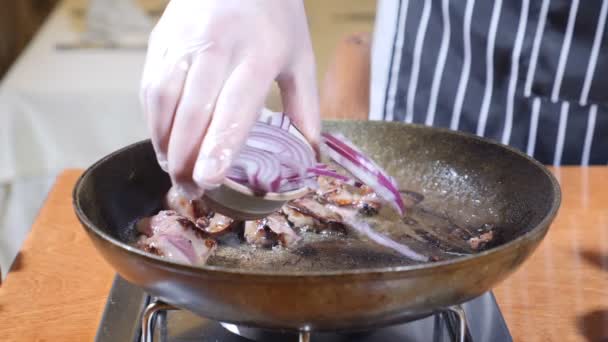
x=209, y=68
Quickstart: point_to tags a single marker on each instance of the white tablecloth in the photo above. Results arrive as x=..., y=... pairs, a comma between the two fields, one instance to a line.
x=60, y=109
x=67, y=108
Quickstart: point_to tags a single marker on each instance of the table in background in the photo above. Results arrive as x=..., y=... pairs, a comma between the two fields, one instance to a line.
x=63, y=108
x=59, y=108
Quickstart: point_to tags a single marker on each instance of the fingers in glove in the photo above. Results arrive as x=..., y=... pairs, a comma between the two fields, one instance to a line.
x=236, y=110
x=162, y=94
x=203, y=84
x=301, y=100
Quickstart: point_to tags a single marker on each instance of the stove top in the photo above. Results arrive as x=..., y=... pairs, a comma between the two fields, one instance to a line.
x=126, y=304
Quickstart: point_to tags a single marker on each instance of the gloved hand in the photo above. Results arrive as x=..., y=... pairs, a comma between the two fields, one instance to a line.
x=209, y=68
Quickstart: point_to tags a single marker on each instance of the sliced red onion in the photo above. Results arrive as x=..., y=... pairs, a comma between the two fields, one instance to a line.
x=347, y=155
x=273, y=159
x=292, y=172
x=332, y=174
x=276, y=140
x=262, y=169
x=350, y=218
x=176, y=243
x=293, y=184
x=237, y=174
x=365, y=229
x=347, y=180
x=280, y=120
x=285, y=122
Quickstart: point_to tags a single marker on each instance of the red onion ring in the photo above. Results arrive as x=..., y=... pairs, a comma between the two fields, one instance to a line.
x=279, y=120
x=272, y=160
x=364, y=228
x=181, y=244
x=347, y=155
x=275, y=160
x=332, y=174
x=263, y=171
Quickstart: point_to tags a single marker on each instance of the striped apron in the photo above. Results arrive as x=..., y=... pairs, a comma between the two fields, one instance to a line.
x=529, y=73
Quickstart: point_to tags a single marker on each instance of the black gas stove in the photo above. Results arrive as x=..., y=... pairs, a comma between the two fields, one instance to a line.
x=129, y=308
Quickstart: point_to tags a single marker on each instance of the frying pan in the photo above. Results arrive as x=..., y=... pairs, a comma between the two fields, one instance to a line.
x=467, y=182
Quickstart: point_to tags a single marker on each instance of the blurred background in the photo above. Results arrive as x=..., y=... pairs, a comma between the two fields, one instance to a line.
x=19, y=21
x=69, y=76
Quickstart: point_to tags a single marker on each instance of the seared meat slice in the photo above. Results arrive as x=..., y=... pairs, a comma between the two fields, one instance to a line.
x=192, y=209
x=308, y=214
x=361, y=197
x=478, y=242
x=173, y=236
x=333, y=191
x=259, y=235
x=212, y=223
x=215, y=224
x=270, y=231
x=310, y=207
x=144, y=226
x=168, y=222
x=369, y=204
x=299, y=220
x=278, y=224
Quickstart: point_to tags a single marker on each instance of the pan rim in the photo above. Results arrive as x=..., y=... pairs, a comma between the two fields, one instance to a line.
x=540, y=229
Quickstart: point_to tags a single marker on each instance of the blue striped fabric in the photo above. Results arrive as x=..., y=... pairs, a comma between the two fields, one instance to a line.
x=523, y=73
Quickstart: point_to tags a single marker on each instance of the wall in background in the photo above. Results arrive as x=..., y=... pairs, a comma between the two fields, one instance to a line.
x=330, y=22
x=19, y=21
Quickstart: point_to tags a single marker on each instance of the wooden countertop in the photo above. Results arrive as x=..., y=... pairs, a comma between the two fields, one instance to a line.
x=58, y=286
x=561, y=293
x=57, y=289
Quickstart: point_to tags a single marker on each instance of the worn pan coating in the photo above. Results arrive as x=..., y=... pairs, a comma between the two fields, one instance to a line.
x=464, y=179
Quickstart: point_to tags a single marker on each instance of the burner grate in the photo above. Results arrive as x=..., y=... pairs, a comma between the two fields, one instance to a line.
x=155, y=314
x=128, y=309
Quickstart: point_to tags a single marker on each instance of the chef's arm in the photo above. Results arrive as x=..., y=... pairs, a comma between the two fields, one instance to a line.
x=345, y=91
